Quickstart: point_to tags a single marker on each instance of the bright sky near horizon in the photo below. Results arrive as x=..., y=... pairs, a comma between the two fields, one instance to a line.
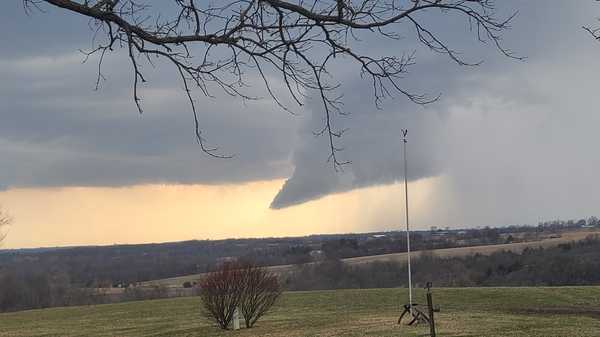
x=159, y=213
x=509, y=142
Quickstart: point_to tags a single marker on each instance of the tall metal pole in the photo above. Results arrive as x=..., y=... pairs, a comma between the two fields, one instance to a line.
x=410, y=301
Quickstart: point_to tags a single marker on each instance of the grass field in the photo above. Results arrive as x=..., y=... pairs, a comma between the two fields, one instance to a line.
x=401, y=257
x=466, y=312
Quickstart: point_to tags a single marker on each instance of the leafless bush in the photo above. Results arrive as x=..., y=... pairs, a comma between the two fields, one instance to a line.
x=251, y=288
x=260, y=293
x=221, y=293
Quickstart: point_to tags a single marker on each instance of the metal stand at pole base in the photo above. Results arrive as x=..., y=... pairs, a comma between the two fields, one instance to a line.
x=417, y=316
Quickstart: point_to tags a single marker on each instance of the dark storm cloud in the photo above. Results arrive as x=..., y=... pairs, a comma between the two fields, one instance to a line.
x=493, y=136
x=98, y=138
x=372, y=143
x=57, y=130
x=488, y=136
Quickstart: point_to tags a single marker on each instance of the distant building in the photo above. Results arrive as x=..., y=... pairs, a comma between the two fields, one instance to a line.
x=317, y=254
x=226, y=259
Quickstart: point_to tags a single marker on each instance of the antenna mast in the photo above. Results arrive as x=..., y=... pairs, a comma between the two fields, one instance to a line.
x=410, y=301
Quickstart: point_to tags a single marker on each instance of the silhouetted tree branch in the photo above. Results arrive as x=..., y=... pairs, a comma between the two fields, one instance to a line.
x=220, y=44
x=594, y=31
x=5, y=220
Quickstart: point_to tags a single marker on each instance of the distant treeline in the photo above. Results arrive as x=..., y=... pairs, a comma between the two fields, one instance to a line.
x=81, y=275
x=34, y=290
x=575, y=263
x=109, y=266
x=128, y=264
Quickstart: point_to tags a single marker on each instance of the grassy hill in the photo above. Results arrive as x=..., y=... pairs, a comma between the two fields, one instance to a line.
x=474, y=312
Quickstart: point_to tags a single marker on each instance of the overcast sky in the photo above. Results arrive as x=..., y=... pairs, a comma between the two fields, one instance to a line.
x=508, y=142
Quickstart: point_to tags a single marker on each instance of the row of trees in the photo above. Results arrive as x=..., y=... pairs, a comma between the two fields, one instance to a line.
x=107, y=266
x=26, y=289
x=235, y=286
x=123, y=265
x=242, y=286
x=395, y=242
x=592, y=221
x=23, y=290
x=575, y=263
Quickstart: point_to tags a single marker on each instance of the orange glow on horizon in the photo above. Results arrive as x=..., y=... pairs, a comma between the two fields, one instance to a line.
x=66, y=216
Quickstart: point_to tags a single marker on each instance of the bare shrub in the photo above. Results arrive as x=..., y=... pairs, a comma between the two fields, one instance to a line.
x=261, y=290
x=247, y=286
x=221, y=292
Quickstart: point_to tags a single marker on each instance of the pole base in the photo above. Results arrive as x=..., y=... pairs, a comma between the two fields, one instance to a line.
x=414, y=315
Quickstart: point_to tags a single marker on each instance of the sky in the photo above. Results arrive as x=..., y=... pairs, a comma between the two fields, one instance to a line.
x=508, y=142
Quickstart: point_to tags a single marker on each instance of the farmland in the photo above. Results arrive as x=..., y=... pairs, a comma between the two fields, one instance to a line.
x=494, y=312
x=401, y=257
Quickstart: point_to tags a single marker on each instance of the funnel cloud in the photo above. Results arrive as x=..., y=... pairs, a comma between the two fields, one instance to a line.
x=510, y=140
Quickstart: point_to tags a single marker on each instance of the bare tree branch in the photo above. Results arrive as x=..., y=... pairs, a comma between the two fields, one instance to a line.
x=5, y=220
x=216, y=44
x=593, y=31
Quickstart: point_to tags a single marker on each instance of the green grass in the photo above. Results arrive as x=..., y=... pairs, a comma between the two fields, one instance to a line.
x=466, y=312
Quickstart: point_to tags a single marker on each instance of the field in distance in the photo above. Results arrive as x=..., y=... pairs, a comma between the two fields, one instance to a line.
x=491, y=312
x=401, y=257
